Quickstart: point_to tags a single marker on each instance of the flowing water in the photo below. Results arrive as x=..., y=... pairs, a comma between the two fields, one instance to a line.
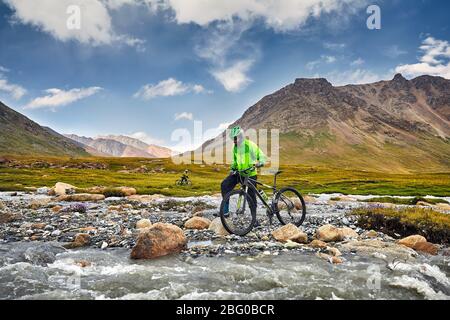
x=30, y=271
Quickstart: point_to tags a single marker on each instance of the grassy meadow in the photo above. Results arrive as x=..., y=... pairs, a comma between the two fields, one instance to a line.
x=160, y=177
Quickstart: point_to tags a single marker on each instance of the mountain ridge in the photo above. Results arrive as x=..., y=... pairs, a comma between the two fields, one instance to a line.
x=21, y=136
x=401, y=124
x=120, y=146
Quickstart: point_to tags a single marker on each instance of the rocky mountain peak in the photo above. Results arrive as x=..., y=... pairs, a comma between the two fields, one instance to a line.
x=312, y=85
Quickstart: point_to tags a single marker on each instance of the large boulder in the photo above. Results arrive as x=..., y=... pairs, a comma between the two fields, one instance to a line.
x=160, y=240
x=62, y=188
x=82, y=197
x=290, y=232
x=329, y=233
x=411, y=241
x=197, y=223
x=218, y=228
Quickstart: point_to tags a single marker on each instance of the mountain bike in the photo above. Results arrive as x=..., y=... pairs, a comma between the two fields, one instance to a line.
x=238, y=212
x=184, y=181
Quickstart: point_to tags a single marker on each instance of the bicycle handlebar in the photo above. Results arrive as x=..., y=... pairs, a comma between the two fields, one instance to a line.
x=247, y=170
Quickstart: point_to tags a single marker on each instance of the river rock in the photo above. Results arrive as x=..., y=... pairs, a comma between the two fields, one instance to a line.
x=160, y=240
x=7, y=217
x=143, y=223
x=370, y=234
x=348, y=233
x=126, y=191
x=374, y=246
x=82, y=197
x=217, y=226
x=309, y=199
x=197, y=223
x=39, y=203
x=334, y=252
x=2, y=205
x=317, y=244
x=63, y=189
x=145, y=198
x=329, y=233
x=411, y=241
x=81, y=240
x=329, y=258
x=290, y=232
x=426, y=247
x=56, y=209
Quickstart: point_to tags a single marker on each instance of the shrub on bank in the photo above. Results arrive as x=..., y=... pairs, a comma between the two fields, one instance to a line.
x=433, y=225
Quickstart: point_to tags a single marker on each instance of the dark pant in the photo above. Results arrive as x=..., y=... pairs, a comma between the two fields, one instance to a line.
x=230, y=183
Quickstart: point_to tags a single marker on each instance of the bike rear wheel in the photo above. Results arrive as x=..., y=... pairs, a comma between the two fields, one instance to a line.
x=241, y=216
x=290, y=207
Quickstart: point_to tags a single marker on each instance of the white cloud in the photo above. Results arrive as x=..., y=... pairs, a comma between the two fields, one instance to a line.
x=281, y=15
x=167, y=88
x=51, y=16
x=57, y=97
x=15, y=90
x=323, y=59
x=143, y=136
x=234, y=78
x=184, y=115
x=435, y=60
x=357, y=62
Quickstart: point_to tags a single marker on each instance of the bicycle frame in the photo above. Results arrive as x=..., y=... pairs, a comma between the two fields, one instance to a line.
x=249, y=183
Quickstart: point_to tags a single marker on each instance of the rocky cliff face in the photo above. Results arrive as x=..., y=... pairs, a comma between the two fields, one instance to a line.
x=398, y=125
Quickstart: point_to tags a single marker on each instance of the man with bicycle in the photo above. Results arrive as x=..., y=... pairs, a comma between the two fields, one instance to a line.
x=246, y=154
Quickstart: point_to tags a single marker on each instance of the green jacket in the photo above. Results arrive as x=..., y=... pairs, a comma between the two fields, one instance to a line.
x=246, y=155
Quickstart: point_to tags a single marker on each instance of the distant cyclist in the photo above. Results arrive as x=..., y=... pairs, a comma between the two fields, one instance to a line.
x=246, y=154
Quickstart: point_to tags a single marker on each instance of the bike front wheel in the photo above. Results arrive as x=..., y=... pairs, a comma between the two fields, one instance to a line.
x=290, y=207
x=238, y=213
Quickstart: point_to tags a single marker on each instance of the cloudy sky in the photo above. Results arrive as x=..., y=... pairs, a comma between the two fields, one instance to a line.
x=148, y=67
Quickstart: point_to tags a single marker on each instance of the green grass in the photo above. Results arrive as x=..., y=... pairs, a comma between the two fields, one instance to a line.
x=206, y=179
x=433, y=225
x=407, y=201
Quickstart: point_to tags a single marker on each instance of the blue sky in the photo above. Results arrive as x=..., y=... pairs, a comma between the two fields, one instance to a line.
x=147, y=67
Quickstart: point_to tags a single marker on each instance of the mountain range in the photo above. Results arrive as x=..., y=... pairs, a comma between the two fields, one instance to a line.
x=398, y=125
x=21, y=136
x=394, y=126
x=120, y=146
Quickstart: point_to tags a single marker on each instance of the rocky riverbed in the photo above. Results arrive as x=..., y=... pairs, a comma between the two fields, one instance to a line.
x=43, y=238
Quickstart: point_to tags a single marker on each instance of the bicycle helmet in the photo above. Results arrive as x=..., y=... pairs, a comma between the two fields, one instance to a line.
x=235, y=132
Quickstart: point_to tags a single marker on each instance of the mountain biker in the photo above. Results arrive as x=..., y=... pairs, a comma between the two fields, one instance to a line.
x=246, y=154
